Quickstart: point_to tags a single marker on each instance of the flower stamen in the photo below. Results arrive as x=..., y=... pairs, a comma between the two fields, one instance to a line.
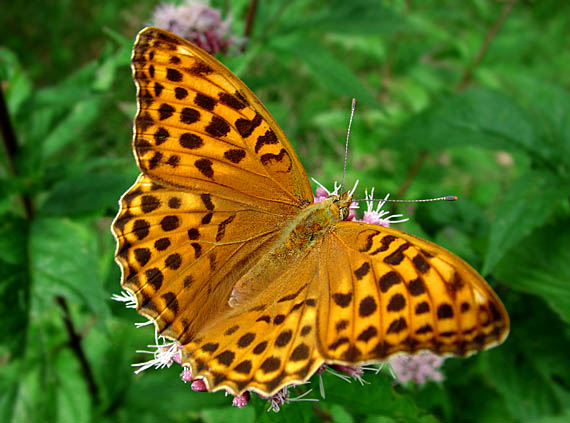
x=125, y=297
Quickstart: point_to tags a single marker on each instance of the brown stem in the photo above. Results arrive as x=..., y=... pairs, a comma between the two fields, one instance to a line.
x=250, y=18
x=468, y=73
x=11, y=147
x=76, y=347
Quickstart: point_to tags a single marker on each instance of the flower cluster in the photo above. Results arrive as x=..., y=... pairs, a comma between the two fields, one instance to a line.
x=198, y=23
x=419, y=368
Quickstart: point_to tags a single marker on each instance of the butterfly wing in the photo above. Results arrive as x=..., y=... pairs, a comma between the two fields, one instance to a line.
x=220, y=180
x=220, y=184
x=392, y=292
x=199, y=127
x=361, y=294
x=267, y=343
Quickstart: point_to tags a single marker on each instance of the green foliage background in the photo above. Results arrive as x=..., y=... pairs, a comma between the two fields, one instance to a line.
x=446, y=105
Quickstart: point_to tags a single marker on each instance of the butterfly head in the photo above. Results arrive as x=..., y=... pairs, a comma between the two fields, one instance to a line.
x=340, y=205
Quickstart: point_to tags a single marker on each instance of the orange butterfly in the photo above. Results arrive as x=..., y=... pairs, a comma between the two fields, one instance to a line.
x=224, y=249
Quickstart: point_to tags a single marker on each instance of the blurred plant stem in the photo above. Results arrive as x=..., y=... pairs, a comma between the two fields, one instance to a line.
x=11, y=147
x=489, y=37
x=12, y=150
x=77, y=348
x=250, y=18
x=466, y=78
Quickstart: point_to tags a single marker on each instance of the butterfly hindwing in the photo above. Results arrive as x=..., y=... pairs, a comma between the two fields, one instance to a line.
x=392, y=292
x=360, y=295
x=267, y=343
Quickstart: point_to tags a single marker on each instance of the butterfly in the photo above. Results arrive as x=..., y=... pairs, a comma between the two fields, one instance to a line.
x=222, y=245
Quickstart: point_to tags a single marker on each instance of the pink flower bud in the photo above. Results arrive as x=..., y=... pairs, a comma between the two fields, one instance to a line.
x=186, y=375
x=241, y=400
x=199, y=385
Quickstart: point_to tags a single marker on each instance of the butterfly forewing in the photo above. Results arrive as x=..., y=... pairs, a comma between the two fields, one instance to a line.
x=200, y=127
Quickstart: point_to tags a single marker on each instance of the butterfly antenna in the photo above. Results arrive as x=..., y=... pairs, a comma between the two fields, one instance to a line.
x=423, y=200
x=353, y=107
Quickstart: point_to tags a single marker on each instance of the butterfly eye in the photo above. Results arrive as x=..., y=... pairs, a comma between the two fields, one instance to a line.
x=344, y=213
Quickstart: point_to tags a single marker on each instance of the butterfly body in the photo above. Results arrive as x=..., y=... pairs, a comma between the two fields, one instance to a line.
x=299, y=237
x=224, y=250
x=316, y=220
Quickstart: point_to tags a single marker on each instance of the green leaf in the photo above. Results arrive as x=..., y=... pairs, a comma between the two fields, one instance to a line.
x=540, y=265
x=33, y=395
x=160, y=395
x=531, y=369
x=477, y=117
x=89, y=194
x=560, y=418
x=107, y=71
x=73, y=399
x=526, y=206
x=110, y=351
x=18, y=85
x=47, y=383
x=379, y=419
x=14, y=285
x=521, y=385
x=354, y=17
x=228, y=415
x=548, y=104
x=72, y=126
x=472, y=397
x=364, y=400
x=340, y=415
x=70, y=91
x=436, y=398
x=326, y=69
x=10, y=375
x=64, y=261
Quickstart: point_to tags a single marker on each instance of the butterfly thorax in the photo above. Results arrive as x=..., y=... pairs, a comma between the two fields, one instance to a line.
x=299, y=237
x=316, y=220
